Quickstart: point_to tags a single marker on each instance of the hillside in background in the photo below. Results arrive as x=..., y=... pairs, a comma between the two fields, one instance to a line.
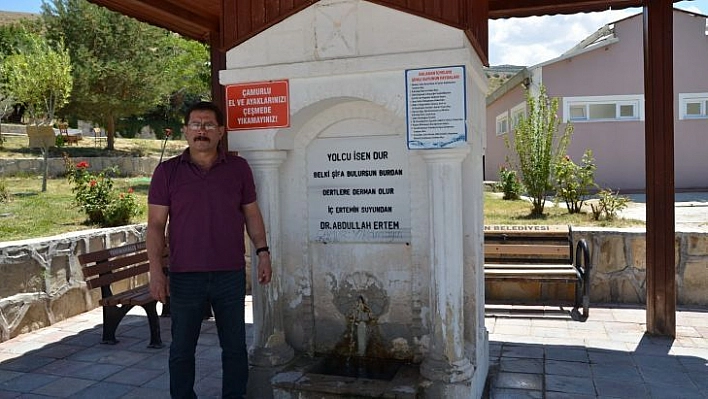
x=498, y=74
x=7, y=17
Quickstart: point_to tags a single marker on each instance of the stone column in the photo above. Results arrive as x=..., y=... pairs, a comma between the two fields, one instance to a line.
x=269, y=347
x=446, y=361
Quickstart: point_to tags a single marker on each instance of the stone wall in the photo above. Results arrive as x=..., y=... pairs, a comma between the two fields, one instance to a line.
x=128, y=166
x=619, y=266
x=42, y=281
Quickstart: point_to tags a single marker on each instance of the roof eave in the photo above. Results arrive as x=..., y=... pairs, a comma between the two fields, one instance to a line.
x=526, y=8
x=197, y=26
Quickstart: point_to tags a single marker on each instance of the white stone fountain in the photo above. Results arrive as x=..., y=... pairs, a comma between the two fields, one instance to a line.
x=374, y=212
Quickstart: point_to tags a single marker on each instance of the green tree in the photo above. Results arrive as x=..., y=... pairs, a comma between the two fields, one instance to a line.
x=188, y=69
x=538, y=146
x=188, y=74
x=39, y=77
x=14, y=38
x=118, y=61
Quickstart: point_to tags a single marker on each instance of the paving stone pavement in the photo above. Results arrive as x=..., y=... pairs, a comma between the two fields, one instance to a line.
x=67, y=360
x=537, y=354
x=541, y=353
x=690, y=210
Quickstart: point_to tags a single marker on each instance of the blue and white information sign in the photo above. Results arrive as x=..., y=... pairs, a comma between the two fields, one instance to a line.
x=436, y=107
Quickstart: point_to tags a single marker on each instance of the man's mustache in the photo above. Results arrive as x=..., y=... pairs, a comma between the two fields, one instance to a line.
x=202, y=138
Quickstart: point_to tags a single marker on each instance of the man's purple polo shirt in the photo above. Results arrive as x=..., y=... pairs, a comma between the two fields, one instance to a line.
x=206, y=223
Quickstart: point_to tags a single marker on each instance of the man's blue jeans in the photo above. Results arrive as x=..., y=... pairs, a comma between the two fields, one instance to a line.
x=189, y=293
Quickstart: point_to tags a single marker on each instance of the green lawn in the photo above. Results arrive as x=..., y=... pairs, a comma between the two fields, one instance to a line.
x=499, y=211
x=30, y=213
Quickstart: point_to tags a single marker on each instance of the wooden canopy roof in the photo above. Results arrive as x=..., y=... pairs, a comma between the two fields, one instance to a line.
x=224, y=24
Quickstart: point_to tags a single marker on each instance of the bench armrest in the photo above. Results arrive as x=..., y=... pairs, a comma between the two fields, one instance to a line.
x=582, y=257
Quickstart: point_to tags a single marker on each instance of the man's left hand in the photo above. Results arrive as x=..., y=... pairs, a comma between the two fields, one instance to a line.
x=265, y=271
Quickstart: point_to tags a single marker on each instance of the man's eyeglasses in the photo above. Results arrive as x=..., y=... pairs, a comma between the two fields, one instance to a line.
x=195, y=126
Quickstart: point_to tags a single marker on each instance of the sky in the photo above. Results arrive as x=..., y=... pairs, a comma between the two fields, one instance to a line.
x=514, y=41
x=530, y=41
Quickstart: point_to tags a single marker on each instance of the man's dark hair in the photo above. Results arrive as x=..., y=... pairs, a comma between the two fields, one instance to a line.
x=205, y=106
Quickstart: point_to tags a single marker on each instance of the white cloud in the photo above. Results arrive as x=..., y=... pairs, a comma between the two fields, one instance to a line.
x=532, y=40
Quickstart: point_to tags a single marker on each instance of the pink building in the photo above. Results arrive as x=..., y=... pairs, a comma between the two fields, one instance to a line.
x=600, y=85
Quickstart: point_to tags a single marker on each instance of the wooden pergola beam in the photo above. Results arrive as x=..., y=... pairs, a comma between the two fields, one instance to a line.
x=659, y=148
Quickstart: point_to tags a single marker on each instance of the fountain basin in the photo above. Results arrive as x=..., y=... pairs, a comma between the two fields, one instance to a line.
x=333, y=377
x=357, y=367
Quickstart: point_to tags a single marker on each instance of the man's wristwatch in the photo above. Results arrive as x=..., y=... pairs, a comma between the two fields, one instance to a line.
x=262, y=249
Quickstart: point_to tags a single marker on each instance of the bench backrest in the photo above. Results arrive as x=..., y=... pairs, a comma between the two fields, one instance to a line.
x=551, y=244
x=101, y=268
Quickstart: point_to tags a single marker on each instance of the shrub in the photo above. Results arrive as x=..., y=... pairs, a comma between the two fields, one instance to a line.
x=537, y=148
x=509, y=184
x=610, y=203
x=95, y=195
x=573, y=181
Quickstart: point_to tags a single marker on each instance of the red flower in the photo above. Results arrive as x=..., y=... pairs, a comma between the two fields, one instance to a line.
x=168, y=132
x=82, y=165
x=92, y=183
x=130, y=190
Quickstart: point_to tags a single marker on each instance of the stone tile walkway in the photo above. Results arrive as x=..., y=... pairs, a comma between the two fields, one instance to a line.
x=542, y=354
x=690, y=210
x=67, y=360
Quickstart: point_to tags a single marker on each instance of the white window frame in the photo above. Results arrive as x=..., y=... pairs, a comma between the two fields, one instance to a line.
x=635, y=100
x=518, y=112
x=692, y=98
x=502, y=123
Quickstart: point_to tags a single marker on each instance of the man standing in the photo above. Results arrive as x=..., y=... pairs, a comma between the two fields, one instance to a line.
x=208, y=196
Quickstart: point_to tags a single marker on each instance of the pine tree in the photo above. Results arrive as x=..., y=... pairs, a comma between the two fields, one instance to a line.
x=118, y=61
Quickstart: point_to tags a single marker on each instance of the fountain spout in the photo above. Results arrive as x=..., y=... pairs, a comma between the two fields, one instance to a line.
x=361, y=338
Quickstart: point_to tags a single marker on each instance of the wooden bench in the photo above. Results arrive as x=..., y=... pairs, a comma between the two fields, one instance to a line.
x=103, y=269
x=540, y=261
x=69, y=139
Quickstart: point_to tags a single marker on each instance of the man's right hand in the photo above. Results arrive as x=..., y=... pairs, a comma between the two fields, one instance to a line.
x=159, y=287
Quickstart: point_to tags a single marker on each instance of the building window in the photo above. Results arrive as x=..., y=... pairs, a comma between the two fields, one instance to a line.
x=578, y=112
x=693, y=105
x=603, y=108
x=502, y=124
x=517, y=113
